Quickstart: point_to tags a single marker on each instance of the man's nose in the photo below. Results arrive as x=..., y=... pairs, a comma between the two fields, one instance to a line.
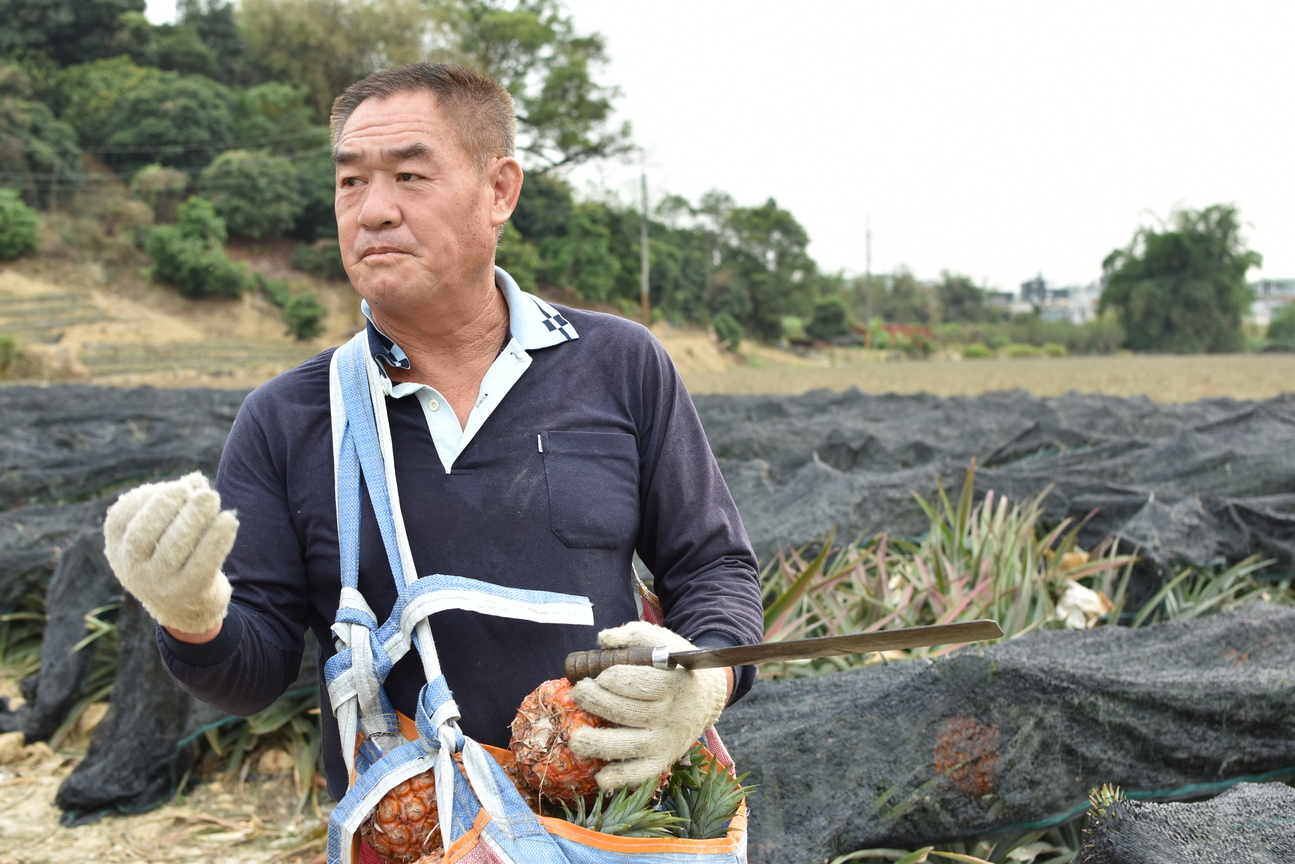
x=379, y=207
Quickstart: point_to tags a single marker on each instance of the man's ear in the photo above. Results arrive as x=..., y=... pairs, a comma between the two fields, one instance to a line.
x=506, y=183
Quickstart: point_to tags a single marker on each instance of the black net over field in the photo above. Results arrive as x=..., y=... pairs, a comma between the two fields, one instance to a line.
x=1252, y=823
x=1201, y=482
x=1014, y=736
x=912, y=751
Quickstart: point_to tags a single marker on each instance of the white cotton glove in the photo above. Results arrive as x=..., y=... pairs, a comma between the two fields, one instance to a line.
x=166, y=543
x=660, y=713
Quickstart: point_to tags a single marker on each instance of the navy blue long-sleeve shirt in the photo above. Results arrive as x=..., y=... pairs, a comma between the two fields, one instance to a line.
x=595, y=452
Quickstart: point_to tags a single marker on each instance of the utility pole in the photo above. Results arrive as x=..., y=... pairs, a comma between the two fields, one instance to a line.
x=643, y=294
x=867, y=274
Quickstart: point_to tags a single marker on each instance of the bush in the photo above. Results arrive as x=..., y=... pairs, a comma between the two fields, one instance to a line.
x=304, y=316
x=730, y=332
x=189, y=254
x=19, y=226
x=322, y=259
x=275, y=290
x=976, y=351
x=257, y=194
x=1281, y=330
x=1053, y=349
x=197, y=220
x=160, y=188
x=830, y=320
x=1022, y=349
x=196, y=268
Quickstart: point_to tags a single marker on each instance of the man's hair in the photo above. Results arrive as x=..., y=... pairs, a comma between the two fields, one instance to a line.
x=478, y=107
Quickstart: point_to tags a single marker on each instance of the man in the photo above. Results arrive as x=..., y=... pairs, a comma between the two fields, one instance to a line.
x=535, y=447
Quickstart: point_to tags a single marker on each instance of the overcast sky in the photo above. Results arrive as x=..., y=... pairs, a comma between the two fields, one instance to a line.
x=994, y=139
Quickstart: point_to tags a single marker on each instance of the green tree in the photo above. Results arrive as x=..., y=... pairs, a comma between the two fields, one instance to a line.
x=1281, y=329
x=256, y=194
x=321, y=46
x=215, y=24
x=181, y=121
x=904, y=300
x=67, y=31
x=38, y=154
x=198, y=221
x=830, y=319
x=581, y=259
x=533, y=49
x=277, y=115
x=961, y=300
x=19, y=226
x=87, y=95
x=173, y=47
x=161, y=188
x=1182, y=289
x=765, y=253
x=544, y=207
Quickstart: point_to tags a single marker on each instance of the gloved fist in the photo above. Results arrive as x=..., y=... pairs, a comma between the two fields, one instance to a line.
x=660, y=712
x=166, y=543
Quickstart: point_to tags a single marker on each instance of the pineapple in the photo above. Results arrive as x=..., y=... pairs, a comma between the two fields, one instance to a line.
x=541, y=732
x=404, y=827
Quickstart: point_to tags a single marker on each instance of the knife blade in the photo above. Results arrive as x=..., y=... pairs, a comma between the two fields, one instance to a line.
x=587, y=664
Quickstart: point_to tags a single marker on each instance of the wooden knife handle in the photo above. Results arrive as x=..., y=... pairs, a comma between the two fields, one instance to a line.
x=587, y=664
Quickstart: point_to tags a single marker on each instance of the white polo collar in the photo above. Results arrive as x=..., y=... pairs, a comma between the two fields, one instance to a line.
x=532, y=324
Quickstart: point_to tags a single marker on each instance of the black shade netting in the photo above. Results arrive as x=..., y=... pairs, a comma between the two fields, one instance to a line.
x=1013, y=736
x=1252, y=823
x=1202, y=482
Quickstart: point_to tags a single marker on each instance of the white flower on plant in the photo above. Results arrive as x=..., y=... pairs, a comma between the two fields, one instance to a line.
x=1081, y=608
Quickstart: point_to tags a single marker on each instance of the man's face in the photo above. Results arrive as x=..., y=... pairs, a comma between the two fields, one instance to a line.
x=415, y=217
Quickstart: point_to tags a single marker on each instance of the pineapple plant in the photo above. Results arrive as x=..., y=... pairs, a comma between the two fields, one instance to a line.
x=540, y=744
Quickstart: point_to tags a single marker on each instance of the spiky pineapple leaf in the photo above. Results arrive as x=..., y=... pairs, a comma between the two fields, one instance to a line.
x=705, y=794
x=628, y=813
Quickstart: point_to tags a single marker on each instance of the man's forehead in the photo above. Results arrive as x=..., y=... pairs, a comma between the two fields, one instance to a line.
x=401, y=118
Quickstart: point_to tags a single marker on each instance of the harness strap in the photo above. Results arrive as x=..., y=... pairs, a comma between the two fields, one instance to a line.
x=366, y=651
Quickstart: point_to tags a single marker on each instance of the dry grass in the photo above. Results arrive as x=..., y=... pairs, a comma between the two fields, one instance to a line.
x=1161, y=378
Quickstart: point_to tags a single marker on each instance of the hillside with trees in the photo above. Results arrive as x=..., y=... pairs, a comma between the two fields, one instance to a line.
x=178, y=141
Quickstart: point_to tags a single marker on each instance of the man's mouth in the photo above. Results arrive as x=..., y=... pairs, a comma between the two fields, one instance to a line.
x=380, y=251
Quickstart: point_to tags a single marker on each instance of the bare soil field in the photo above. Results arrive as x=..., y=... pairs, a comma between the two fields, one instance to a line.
x=1162, y=378
x=252, y=820
x=72, y=326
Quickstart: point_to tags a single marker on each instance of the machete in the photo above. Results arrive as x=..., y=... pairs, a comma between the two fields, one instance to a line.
x=587, y=664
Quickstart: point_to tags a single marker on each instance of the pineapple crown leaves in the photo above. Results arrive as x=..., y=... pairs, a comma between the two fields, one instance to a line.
x=705, y=796
x=627, y=814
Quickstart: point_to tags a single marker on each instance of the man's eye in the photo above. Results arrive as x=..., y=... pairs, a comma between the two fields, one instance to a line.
x=405, y=175
x=348, y=182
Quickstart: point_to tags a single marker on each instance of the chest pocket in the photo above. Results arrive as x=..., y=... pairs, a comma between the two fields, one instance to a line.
x=593, y=482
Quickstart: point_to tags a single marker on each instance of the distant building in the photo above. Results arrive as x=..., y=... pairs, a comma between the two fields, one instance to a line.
x=1270, y=295
x=1074, y=303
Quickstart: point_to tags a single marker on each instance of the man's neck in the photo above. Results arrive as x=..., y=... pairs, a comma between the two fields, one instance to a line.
x=451, y=351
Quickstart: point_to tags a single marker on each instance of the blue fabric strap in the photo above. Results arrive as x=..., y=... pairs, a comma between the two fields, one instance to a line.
x=367, y=651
